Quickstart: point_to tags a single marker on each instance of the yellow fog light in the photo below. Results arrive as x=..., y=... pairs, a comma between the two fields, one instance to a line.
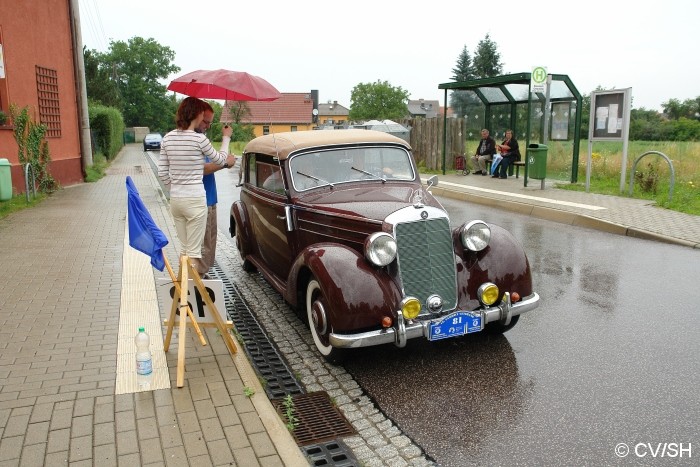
x=488, y=293
x=410, y=307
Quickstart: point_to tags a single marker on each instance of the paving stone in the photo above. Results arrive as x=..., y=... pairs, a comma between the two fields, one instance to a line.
x=127, y=442
x=16, y=425
x=176, y=457
x=262, y=444
x=11, y=448
x=56, y=458
x=104, y=434
x=221, y=453
x=58, y=440
x=106, y=456
x=151, y=451
x=80, y=448
x=81, y=426
x=227, y=415
x=37, y=433
x=245, y=456
x=147, y=428
x=170, y=436
x=165, y=415
x=125, y=421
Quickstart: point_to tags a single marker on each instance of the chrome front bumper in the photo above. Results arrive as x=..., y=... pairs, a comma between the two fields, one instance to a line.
x=404, y=330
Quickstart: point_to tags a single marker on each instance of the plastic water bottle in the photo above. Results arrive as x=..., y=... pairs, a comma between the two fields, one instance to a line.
x=144, y=363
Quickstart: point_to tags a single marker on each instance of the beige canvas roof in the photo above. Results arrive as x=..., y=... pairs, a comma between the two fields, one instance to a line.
x=282, y=144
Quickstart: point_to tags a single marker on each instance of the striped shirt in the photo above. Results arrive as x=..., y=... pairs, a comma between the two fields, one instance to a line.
x=181, y=162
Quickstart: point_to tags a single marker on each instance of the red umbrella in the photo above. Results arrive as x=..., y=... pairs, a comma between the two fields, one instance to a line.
x=224, y=84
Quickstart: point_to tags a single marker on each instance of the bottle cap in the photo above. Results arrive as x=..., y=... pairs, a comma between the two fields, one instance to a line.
x=141, y=329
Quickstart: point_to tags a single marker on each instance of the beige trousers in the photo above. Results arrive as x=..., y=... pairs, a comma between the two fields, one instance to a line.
x=209, y=244
x=190, y=218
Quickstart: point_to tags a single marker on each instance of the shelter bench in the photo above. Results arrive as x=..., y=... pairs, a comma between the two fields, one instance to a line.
x=516, y=164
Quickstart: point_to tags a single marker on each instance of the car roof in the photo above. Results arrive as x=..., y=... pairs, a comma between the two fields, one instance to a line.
x=282, y=144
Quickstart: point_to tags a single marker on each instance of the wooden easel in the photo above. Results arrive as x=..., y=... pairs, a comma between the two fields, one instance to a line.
x=180, y=282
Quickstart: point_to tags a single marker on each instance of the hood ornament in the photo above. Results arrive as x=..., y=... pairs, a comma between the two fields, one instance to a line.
x=418, y=199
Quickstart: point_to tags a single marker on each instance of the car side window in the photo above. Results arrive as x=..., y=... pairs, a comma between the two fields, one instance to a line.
x=267, y=174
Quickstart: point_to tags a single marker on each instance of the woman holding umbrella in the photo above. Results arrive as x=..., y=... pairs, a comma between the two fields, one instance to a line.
x=180, y=168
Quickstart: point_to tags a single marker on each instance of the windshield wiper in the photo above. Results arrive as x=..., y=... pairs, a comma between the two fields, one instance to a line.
x=324, y=182
x=383, y=179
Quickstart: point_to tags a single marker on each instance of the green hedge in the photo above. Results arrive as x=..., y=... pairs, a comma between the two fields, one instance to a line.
x=107, y=126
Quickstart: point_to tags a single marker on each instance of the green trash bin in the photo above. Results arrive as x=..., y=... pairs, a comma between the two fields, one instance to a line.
x=5, y=180
x=537, y=161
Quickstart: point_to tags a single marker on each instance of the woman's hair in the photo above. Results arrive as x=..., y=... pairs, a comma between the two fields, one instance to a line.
x=188, y=110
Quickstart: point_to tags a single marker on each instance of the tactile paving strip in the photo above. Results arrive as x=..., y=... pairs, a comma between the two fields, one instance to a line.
x=318, y=419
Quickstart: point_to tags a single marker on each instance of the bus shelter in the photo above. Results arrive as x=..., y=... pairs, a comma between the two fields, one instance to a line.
x=508, y=101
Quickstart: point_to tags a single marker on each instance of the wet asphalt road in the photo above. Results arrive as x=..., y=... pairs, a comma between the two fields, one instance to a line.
x=610, y=357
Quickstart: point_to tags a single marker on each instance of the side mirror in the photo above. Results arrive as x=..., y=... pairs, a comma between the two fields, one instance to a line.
x=432, y=181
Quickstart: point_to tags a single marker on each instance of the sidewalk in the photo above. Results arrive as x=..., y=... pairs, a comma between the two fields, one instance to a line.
x=65, y=263
x=614, y=214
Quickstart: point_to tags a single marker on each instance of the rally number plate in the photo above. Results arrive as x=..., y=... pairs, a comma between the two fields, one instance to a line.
x=456, y=324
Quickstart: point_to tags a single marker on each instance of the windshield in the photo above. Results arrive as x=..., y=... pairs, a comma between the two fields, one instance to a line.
x=366, y=164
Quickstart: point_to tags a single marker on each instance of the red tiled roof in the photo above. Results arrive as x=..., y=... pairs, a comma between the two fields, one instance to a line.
x=292, y=107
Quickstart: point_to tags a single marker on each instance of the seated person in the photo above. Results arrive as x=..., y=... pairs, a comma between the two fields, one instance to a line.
x=274, y=181
x=484, y=153
x=510, y=151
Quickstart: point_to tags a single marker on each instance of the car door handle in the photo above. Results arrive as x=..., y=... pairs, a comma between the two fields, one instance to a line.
x=281, y=217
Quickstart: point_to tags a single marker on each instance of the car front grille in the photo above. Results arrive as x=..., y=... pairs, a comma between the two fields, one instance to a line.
x=426, y=260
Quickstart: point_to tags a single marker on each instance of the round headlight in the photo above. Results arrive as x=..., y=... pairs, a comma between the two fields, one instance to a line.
x=410, y=307
x=475, y=235
x=380, y=249
x=488, y=293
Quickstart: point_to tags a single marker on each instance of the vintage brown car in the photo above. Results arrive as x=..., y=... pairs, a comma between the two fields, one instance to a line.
x=339, y=223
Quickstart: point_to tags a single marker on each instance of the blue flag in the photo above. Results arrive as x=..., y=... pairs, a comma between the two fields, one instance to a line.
x=144, y=234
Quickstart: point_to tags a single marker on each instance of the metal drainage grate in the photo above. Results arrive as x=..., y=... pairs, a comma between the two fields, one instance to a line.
x=279, y=380
x=333, y=453
x=315, y=410
x=318, y=419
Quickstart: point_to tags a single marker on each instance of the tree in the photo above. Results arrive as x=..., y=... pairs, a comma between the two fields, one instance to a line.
x=486, y=63
x=100, y=88
x=135, y=68
x=689, y=108
x=487, y=59
x=379, y=100
x=463, y=71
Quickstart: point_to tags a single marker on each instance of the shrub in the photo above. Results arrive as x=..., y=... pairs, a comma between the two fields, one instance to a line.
x=107, y=126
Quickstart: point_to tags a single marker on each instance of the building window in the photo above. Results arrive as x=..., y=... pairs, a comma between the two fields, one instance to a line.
x=49, y=108
x=266, y=129
x=293, y=128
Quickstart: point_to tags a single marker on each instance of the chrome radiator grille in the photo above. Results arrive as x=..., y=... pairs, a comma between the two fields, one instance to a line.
x=426, y=260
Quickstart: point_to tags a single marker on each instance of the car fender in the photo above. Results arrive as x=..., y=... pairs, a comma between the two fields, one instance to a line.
x=502, y=262
x=241, y=227
x=359, y=294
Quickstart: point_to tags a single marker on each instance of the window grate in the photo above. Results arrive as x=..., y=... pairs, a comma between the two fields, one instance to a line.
x=49, y=108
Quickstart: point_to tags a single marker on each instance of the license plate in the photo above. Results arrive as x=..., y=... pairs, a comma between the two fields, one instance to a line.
x=456, y=324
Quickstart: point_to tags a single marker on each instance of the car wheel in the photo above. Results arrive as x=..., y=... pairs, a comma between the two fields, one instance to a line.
x=498, y=328
x=317, y=316
x=145, y=149
x=247, y=265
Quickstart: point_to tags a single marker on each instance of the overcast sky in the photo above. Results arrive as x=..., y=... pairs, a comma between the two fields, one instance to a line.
x=332, y=46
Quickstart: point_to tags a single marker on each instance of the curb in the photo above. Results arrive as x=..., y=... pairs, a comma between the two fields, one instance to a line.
x=562, y=217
